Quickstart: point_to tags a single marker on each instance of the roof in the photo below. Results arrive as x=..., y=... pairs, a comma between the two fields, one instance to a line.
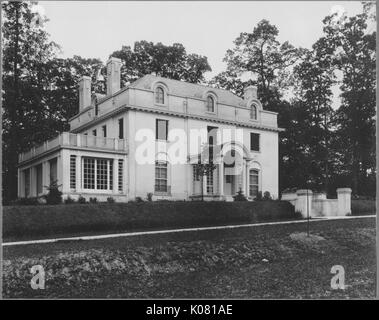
x=187, y=89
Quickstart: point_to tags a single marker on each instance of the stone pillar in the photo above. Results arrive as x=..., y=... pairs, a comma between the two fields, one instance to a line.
x=19, y=186
x=344, y=201
x=302, y=202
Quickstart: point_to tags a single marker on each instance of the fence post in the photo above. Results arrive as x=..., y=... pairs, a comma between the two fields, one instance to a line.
x=344, y=201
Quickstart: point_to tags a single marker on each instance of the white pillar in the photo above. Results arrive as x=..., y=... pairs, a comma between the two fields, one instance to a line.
x=205, y=178
x=243, y=183
x=344, y=201
x=45, y=176
x=221, y=177
x=302, y=202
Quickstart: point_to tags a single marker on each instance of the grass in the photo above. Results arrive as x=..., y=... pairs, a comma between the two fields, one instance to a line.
x=275, y=261
x=38, y=222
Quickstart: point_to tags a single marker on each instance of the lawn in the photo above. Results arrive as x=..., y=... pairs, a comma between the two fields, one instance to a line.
x=276, y=261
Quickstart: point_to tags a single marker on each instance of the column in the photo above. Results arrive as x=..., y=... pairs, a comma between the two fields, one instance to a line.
x=45, y=175
x=243, y=182
x=344, y=201
x=221, y=177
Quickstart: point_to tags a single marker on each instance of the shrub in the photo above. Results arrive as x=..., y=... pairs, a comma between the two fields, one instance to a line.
x=23, y=222
x=93, y=200
x=149, y=197
x=363, y=207
x=82, y=200
x=267, y=196
x=32, y=201
x=54, y=195
x=69, y=200
x=110, y=200
x=259, y=196
x=139, y=200
x=239, y=196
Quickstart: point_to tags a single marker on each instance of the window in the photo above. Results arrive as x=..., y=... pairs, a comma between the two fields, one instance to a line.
x=210, y=104
x=88, y=173
x=253, y=183
x=210, y=182
x=160, y=176
x=254, y=141
x=228, y=178
x=97, y=174
x=72, y=172
x=120, y=175
x=161, y=129
x=96, y=109
x=39, y=178
x=104, y=128
x=196, y=173
x=253, y=112
x=121, y=128
x=94, y=132
x=159, y=95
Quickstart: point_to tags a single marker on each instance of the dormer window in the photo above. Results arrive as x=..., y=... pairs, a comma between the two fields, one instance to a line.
x=159, y=95
x=210, y=104
x=253, y=112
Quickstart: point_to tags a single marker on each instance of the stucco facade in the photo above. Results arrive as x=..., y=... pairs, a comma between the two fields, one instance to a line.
x=142, y=139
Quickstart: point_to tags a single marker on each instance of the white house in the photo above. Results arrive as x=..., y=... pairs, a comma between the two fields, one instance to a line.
x=123, y=145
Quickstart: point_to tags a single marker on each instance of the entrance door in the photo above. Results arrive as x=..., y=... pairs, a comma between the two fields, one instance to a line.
x=229, y=186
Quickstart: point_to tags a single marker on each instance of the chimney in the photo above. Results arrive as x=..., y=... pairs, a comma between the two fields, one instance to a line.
x=84, y=92
x=250, y=92
x=113, y=75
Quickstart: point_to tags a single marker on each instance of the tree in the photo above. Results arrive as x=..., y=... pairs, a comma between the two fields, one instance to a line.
x=314, y=78
x=166, y=61
x=261, y=54
x=26, y=49
x=355, y=56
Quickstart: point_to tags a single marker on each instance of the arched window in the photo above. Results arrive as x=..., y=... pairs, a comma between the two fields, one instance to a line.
x=253, y=183
x=159, y=95
x=253, y=112
x=210, y=104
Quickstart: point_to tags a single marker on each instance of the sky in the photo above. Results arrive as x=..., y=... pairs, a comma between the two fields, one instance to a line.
x=96, y=29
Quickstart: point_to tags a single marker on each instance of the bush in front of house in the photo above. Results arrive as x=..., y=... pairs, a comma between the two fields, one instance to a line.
x=24, y=222
x=69, y=200
x=110, y=200
x=239, y=196
x=93, y=200
x=82, y=200
x=54, y=195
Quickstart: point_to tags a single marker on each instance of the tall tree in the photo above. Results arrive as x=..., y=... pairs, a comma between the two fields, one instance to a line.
x=25, y=50
x=268, y=62
x=165, y=61
x=314, y=78
x=355, y=56
x=261, y=54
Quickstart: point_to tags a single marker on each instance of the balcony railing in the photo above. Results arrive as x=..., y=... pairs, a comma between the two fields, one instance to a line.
x=67, y=139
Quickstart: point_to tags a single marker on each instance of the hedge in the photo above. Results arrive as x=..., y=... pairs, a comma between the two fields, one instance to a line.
x=363, y=207
x=33, y=222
